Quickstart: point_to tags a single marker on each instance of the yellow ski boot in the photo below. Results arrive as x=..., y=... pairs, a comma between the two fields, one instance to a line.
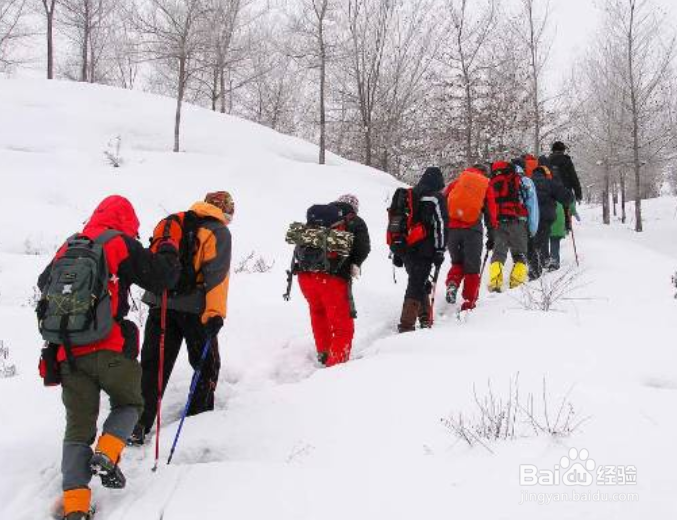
x=496, y=277
x=519, y=274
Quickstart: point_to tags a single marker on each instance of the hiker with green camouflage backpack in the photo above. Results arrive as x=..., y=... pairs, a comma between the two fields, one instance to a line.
x=330, y=249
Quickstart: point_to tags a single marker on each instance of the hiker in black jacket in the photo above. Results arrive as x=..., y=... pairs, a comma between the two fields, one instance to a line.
x=563, y=169
x=350, y=206
x=550, y=191
x=421, y=257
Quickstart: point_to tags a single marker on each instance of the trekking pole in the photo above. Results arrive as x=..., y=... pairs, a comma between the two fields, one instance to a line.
x=484, y=265
x=573, y=239
x=160, y=377
x=191, y=393
x=432, y=296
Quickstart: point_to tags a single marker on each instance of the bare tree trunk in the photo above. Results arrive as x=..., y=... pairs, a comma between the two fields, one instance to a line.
x=606, y=217
x=86, y=35
x=49, y=6
x=179, y=102
x=323, y=83
x=635, y=120
x=222, y=89
x=614, y=198
x=624, y=216
x=535, y=72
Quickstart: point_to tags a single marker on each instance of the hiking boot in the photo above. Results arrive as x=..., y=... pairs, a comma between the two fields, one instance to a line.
x=322, y=358
x=496, y=277
x=519, y=274
x=424, y=314
x=452, y=290
x=109, y=472
x=410, y=311
x=138, y=436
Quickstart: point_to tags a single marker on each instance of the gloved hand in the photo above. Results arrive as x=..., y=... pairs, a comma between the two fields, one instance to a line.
x=438, y=260
x=355, y=271
x=167, y=245
x=397, y=261
x=213, y=326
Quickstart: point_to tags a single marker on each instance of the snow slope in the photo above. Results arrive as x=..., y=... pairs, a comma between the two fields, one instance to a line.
x=290, y=440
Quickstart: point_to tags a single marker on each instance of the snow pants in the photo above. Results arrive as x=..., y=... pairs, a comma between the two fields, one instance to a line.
x=555, y=247
x=179, y=326
x=465, y=247
x=513, y=236
x=120, y=378
x=539, y=249
x=330, y=315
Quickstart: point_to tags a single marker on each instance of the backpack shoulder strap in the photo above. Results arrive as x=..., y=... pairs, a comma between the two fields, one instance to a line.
x=106, y=236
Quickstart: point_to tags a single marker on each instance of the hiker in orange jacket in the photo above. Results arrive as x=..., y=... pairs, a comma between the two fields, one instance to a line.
x=194, y=314
x=470, y=201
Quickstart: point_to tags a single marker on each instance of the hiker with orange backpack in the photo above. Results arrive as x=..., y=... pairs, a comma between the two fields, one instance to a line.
x=518, y=219
x=469, y=201
x=92, y=347
x=417, y=236
x=194, y=311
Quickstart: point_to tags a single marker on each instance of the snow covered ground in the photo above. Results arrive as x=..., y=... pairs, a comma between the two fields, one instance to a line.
x=365, y=440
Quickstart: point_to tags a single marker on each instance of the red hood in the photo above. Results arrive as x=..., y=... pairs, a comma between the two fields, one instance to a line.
x=114, y=212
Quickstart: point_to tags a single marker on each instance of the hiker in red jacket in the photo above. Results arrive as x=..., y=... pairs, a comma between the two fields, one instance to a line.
x=109, y=364
x=469, y=201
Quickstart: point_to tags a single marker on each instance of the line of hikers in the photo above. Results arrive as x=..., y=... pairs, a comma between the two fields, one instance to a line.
x=526, y=205
x=91, y=346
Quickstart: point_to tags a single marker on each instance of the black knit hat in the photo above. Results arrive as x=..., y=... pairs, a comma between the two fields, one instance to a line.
x=559, y=146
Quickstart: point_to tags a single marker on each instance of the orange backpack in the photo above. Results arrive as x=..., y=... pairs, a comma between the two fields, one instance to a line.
x=530, y=164
x=466, y=198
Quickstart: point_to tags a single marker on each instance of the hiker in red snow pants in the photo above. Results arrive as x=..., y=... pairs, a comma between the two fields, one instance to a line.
x=330, y=315
x=329, y=294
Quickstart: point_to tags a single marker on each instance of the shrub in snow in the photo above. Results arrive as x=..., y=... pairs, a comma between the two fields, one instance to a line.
x=30, y=248
x=113, y=153
x=550, y=289
x=254, y=264
x=6, y=368
x=33, y=300
x=510, y=417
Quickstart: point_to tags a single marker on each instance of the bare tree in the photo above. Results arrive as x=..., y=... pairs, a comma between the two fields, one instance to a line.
x=174, y=33
x=368, y=24
x=11, y=12
x=311, y=26
x=50, y=9
x=468, y=32
x=534, y=32
x=637, y=29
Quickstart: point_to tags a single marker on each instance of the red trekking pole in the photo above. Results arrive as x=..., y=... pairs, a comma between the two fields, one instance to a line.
x=160, y=377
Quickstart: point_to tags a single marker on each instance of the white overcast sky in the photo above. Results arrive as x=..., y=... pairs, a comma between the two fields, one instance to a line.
x=576, y=22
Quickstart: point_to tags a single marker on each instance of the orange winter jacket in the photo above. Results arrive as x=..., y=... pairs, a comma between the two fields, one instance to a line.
x=212, y=266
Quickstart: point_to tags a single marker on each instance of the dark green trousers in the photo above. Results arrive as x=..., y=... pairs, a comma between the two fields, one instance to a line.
x=118, y=377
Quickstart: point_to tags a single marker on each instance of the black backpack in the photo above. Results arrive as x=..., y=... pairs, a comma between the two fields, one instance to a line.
x=183, y=229
x=404, y=231
x=75, y=307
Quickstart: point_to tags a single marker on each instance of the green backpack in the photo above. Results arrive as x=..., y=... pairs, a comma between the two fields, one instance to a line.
x=75, y=308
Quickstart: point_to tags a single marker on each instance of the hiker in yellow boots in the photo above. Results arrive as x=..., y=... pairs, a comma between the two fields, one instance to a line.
x=518, y=219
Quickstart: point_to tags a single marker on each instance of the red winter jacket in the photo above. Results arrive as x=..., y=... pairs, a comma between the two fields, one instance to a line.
x=128, y=264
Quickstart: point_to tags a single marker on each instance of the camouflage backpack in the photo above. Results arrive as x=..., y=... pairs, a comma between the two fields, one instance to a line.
x=322, y=243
